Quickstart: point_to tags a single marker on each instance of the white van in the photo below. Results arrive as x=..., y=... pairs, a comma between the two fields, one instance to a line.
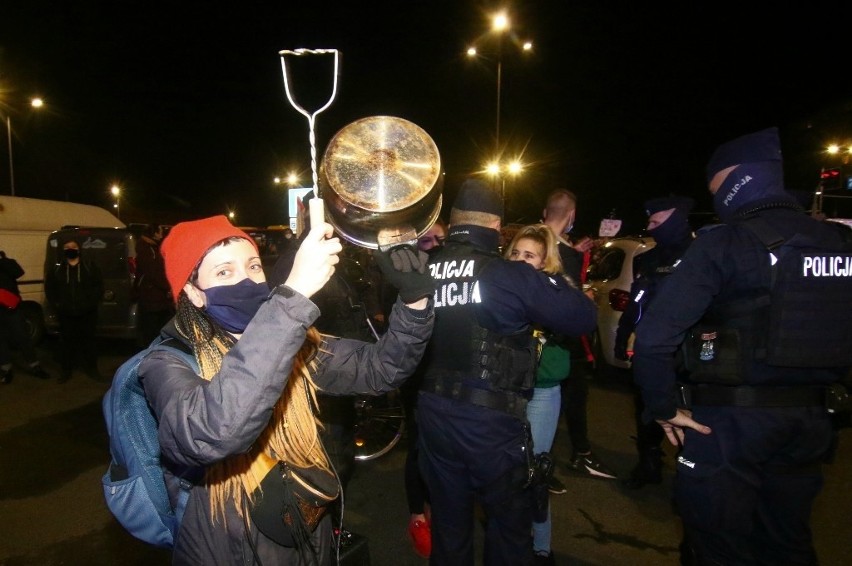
x=25, y=225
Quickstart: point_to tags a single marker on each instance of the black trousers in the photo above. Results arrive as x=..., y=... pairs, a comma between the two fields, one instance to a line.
x=745, y=492
x=78, y=346
x=575, y=398
x=469, y=455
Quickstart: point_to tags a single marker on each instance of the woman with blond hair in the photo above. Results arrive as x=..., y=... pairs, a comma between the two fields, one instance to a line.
x=537, y=246
x=243, y=428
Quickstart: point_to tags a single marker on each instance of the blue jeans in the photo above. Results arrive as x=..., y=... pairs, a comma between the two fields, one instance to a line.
x=543, y=415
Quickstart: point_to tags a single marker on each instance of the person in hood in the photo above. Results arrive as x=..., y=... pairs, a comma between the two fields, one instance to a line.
x=252, y=404
x=75, y=289
x=668, y=224
x=752, y=432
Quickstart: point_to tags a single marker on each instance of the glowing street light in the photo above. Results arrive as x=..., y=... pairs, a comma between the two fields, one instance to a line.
x=500, y=25
x=292, y=179
x=35, y=103
x=499, y=170
x=116, y=193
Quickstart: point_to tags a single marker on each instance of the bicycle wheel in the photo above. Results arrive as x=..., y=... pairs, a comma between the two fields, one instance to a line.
x=379, y=424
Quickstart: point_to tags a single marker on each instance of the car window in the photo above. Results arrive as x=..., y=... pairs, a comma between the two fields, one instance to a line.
x=608, y=266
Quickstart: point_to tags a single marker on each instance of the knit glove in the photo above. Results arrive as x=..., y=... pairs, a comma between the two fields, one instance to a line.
x=404, y=267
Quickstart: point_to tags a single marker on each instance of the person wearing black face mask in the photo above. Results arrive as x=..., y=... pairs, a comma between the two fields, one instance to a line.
x=668, y=224
x=229, y=423
x=75, y=289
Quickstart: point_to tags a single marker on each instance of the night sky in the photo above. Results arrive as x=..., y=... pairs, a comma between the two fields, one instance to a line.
x=182, y=103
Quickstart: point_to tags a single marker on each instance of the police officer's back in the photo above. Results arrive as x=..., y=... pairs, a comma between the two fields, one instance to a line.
x=478, y=374
x=754, y=430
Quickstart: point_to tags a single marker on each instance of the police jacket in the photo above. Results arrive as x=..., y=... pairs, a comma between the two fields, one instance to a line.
x=649, y=269
x=202, y=422
x=483, y=297
x=724, y=265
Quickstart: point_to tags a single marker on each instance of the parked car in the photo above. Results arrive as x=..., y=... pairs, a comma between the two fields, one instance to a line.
x=610, y=275
x=113, y=250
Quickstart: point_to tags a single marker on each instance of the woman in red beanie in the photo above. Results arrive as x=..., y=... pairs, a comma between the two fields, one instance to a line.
x=250, y=408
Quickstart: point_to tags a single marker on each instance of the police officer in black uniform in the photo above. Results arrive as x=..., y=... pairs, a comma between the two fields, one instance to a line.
x=668, y=224
x=479, y=370
x=753, y=431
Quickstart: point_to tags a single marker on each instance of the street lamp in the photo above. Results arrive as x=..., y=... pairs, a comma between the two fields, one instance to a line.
x=500, y=26
x=116, y=192
x=292, y=179
x=35, y=103
x=499, y=170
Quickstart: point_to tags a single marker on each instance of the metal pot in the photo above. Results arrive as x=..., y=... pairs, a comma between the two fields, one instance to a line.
x=381, y=180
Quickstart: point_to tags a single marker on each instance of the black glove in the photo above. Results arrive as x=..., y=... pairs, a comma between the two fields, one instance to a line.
x=404, y=267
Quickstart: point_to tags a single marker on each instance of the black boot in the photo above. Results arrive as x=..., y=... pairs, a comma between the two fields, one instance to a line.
x=649, y=470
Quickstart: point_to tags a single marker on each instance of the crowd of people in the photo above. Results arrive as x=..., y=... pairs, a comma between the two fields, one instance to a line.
x=487, y=339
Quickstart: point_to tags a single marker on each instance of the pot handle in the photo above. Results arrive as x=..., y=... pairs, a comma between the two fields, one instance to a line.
x=391, y=238
x=311, y=116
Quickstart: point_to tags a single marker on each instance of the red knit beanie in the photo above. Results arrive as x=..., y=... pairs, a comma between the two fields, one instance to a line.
x=187, y=242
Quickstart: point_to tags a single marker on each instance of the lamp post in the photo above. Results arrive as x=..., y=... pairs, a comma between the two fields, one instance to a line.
x=35, y=103
x=116, y=192
x=500, y=26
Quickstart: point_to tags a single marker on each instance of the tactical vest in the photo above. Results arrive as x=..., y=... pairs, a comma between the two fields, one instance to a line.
x=463, y=356
x=803, y=321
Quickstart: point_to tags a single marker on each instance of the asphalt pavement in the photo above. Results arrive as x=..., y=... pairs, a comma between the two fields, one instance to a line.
x=54, y=450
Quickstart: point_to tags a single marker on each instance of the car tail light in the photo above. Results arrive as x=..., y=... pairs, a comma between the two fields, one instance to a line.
x=618, y=299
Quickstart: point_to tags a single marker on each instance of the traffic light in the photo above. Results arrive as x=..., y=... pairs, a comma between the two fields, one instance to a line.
x=831, y=179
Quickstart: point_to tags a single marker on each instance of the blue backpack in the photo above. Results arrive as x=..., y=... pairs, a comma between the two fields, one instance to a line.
x=134, y=484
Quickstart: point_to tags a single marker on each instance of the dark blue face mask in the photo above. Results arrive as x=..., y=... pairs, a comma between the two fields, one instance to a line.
x=747, y=184
x=673, y=231
x=233, y=306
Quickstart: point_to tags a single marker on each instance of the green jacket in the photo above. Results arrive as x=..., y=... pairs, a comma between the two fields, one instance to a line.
x=554, y=365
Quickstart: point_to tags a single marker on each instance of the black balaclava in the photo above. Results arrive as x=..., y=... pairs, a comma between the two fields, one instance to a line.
x=758, y=178
x=675, y=229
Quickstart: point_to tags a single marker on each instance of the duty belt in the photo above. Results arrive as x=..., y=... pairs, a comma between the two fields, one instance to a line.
x=752, y=396
x=506, y=402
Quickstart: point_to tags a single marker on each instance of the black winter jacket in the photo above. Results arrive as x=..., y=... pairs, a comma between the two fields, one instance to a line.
x=74, y=289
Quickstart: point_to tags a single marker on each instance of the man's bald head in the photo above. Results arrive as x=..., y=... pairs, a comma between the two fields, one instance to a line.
x=560, y=210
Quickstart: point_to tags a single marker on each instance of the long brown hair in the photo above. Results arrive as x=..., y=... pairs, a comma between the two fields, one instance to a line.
x=292, y=432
